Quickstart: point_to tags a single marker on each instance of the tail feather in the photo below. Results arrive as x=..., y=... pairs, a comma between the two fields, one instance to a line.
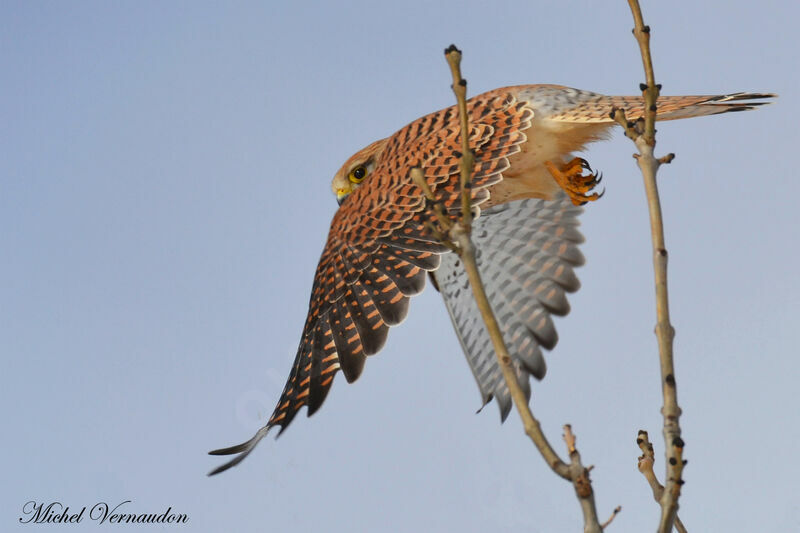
x=597, y=109
x=677, y=107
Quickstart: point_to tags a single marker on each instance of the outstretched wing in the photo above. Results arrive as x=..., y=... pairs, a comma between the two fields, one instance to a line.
x=378, y=250
x=526, y=252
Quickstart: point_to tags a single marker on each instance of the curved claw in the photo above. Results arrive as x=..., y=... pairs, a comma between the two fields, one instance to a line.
x=571, y=178
x=590, y=198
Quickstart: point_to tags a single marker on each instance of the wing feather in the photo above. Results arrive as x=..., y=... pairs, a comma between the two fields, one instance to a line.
x=378, y=250
x=527, y=253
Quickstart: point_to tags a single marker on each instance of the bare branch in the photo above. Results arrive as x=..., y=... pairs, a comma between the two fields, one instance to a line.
x=650, y=89
x=459, y=235
x=453, y=56
x=581, y=483
x=648, y=164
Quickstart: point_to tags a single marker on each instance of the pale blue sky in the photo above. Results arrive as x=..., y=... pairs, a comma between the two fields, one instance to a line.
x=164, y=197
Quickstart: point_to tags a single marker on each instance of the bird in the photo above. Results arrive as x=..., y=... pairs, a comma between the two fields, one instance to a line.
x=527, y=190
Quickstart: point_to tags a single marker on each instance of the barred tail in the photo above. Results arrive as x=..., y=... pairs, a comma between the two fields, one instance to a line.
x=596, y=109
x=676, y=107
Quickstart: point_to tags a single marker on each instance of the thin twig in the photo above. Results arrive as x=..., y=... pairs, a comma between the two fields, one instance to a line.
x=453, y=56
x=581, y=483
x=648, y=164
x=651, y=91
x=458, y=234
x=611, y=518
x=646, y=462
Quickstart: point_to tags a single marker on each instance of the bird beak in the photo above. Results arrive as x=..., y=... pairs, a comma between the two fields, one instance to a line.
x=341, y=194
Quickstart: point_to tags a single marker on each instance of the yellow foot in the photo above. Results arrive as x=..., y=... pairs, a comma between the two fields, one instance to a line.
x=575, y=183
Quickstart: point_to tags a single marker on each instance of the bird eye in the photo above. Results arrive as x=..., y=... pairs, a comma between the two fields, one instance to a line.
x=358, y=174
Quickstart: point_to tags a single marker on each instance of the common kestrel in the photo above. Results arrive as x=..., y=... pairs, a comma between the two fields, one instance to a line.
x=528, y=186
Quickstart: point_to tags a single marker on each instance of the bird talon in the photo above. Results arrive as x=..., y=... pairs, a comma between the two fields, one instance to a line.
x=574, y=182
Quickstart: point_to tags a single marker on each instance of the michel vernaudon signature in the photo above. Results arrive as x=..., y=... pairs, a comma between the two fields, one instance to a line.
x=101, y=512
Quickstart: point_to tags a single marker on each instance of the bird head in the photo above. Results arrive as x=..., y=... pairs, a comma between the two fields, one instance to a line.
x=356, y=170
